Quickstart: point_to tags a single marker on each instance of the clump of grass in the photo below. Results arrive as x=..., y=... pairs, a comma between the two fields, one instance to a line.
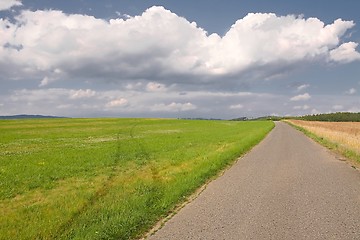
x=108, y=178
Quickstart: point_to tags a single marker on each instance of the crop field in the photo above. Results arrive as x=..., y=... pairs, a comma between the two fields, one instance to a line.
x=108, y=178
x=341, y=136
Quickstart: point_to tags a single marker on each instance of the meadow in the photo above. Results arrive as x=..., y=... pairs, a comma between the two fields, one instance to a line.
x=108, y=178
x=343, y=137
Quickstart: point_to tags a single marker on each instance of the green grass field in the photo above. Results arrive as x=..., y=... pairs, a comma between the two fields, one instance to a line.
x=108, y=178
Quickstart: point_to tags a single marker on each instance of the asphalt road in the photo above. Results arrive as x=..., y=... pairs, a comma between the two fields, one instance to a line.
x=287, y=187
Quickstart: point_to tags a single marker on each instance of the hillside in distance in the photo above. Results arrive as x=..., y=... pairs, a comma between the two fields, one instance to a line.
x=26, y=116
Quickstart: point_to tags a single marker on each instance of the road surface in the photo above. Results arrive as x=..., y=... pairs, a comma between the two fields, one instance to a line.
x=287, y=187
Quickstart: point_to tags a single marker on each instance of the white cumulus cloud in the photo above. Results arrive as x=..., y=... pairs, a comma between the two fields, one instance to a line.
x=155, y=87
x=160, y=46
x=301, y=97
x=173, y=107
x=237, y=106
x=7, y=4
x=351, y=91
x=77, y=94
x=302, y=87
x=45, y=81
x=345, y=53
x=120, y=102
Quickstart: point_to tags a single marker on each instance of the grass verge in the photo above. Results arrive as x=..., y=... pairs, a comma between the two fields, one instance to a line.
x=352, y=156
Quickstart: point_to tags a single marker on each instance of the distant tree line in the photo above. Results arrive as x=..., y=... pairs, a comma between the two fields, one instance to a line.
x=324, y=117
x=332, y=117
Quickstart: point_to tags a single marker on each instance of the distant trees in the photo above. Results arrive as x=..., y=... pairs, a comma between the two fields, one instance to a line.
x=323, y=117
x=333, y=117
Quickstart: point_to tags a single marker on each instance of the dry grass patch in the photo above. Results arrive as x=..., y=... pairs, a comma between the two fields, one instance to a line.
x=343, y=136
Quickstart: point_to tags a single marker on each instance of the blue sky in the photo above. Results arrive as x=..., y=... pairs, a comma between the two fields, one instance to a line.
x=179, y=59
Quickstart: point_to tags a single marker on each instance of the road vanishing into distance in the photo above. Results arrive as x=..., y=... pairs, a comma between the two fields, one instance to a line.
x=287, y=187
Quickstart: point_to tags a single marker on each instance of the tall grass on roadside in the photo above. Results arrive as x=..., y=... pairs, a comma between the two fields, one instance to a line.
x=108, y=178
x=343, y=137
